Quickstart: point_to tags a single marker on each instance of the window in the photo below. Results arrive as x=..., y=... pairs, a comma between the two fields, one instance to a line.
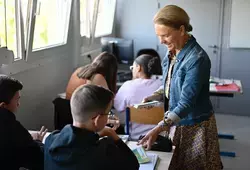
x=8, y=25
x=28, y=25
x=104, y=18
x=11, y=26
x=84, y=22
x=51, y=23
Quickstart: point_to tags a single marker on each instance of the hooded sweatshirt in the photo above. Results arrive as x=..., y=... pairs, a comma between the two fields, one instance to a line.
x=73, y=148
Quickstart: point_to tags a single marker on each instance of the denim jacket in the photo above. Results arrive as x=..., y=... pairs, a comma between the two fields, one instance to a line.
x=189, y=101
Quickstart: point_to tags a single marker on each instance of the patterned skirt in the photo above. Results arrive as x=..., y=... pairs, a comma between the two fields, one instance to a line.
x=196, y=147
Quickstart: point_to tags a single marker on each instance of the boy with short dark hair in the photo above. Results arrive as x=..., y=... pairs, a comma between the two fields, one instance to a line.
x=78, y=146
x=17, y=148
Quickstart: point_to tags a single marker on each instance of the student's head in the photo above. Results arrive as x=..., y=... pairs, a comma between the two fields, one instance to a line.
x=148, y=51
x=91, y=104
x=171, y=26
x=145, y=66
x=104, y=64
x=9, y=93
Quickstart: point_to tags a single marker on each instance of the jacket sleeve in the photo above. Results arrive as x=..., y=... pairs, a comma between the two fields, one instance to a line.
x=29, y=152
x=195, y=78
x=122, y=157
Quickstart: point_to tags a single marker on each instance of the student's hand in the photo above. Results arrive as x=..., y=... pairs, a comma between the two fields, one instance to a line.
x=107, y=131
x=156, y=97
x=149, y=138
x=39, y=135
x=114, y=121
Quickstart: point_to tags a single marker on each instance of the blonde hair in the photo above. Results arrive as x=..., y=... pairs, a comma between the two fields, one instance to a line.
x=173, y=16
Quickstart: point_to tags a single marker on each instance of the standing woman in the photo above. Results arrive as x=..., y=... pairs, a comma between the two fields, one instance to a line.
x=186, y=72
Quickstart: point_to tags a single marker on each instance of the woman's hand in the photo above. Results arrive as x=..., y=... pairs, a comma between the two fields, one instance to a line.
x=156, y=97
x=150, y=138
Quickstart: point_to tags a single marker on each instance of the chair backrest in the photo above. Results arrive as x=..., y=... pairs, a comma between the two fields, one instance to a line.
x=150, y=116
x=62, y=113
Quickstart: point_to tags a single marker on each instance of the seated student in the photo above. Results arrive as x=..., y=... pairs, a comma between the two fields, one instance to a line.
x=102, y=71
x=78, y=146
x=17, y=148
x=134, y=91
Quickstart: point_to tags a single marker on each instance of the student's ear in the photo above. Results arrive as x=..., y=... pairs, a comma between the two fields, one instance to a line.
x=2, y=105
x=139, y=68
x=96, y=122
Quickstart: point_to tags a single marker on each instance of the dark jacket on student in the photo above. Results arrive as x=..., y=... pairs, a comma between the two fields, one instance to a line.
x=77, y=149
x=17, y=148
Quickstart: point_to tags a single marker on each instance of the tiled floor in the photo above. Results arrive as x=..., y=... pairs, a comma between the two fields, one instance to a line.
x=239, y=126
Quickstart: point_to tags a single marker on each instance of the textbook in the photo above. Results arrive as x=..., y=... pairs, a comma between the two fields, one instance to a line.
x=151, y=165
x=141, y=154
x=147, y=161
x=147, y=104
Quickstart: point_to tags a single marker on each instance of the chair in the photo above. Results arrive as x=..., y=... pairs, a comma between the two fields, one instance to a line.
x=62, y=113
x=149, y=116
x=143, y=116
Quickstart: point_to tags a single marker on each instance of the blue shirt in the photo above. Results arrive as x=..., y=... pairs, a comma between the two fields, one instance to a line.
x=189, y=101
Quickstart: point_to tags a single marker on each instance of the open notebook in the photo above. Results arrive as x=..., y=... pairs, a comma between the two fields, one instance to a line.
x=147, y=161
x=150, y=165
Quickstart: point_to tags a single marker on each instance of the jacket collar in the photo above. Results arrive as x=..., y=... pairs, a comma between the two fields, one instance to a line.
x=6, y=114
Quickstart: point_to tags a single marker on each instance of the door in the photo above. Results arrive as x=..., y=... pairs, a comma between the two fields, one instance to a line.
x=205, y=17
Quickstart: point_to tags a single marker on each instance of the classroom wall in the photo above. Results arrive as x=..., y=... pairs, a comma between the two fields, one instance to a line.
x=47, y=74
x=134, y=22
x=234, y=63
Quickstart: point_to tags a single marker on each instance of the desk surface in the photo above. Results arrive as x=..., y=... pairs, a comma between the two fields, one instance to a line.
x=237, y=82
x=212, y=89
x=164, y=157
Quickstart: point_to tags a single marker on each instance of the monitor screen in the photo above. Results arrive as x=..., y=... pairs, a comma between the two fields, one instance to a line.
x=121, y=48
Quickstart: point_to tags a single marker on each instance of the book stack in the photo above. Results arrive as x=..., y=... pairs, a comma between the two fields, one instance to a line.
x=224, y=85
x=228, y=87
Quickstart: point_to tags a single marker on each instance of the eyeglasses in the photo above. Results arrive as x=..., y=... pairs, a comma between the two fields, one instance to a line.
x=131, y=68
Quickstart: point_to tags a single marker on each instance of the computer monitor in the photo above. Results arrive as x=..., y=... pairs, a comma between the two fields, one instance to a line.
x=121, y=48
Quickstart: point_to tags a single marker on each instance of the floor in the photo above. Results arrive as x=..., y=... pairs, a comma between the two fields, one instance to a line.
x=239, y=126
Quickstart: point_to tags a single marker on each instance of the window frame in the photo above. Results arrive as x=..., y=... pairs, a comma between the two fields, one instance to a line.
x=20, y=46
x=113, y=18
x=91, y=28
x=34, y=53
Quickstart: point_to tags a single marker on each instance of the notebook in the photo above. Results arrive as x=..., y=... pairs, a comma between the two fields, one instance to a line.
x=147, y=161
x=228, y=87
x=147, y=104
x=151, y=165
